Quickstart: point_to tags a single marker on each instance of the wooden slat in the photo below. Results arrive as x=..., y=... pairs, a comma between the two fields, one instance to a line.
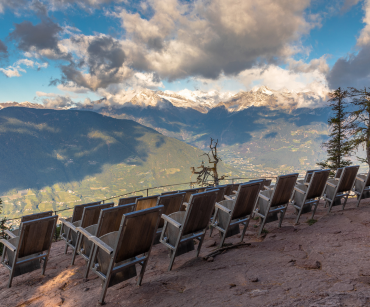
x=91, y=214
x=128, y=200
x=317, y=183
x=78, y=210
x=146, y=202
x=246, y=199
x=110, y=219
x=171, y=203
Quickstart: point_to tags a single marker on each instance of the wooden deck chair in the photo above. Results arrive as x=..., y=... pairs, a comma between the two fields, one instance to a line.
x=15, y=233
x=181, y=228
x=90, y=216
x=338, y=172
x=116, y=253
x=230, y=188
x=171, y=203
x=109, y=221
x=305, y=196
x=230, y=213
x=76, y=216
x=307, y=176
x=276, y=200
x=169, y=192
x=146, y=202
x=362, y=187
x=188, y=194
x=128, y=200
x=23, y=253
x=337, y=189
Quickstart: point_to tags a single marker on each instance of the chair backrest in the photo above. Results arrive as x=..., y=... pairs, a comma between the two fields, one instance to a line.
x=36, y=236
x=199, y=211
x=146, y=202
x=171, y=203
x=221, y=192
x=90, y=215
x=169, y=192
x=128, y=200
x=317, y=183
x=283, y=189
x=78, y=210
x=110, y=218
x=308, y=176
x=36, y=216
x=136, y=233
x=347, y=179
x=188, y=193
x=367, y=183
x=338, y=173
x=246, y=198
x=265, y=182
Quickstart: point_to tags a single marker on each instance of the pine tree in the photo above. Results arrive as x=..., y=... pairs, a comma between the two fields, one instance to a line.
x=2, y=227
x=339, y=147
x=361, y=121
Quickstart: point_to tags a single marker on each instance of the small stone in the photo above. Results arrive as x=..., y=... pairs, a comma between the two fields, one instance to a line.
x=232, y=285
x=336, y=232
x=86, y=289
x=253, y=279
x=212, y=244
x=258, y=292
x=210, y=259
x=341, y=287
x=336, y=245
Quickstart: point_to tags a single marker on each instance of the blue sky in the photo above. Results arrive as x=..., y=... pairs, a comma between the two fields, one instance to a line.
x=88, y=49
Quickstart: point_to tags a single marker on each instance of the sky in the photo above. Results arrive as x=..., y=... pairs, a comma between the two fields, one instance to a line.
x=58, y=52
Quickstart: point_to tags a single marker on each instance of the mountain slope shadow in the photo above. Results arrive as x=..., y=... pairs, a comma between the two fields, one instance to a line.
x=43, y=147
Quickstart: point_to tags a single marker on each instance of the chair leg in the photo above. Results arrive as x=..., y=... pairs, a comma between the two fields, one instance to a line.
x=298, y=215
x=314, y=210
x=89, y=261
x=262, y=225
x=223, y=237
x=345, y=202
x=172, y=258
x=200, y=243
x=282, y=214
x=76, y=248
x=142, y=271
x=210, y=230
x=106, y=283
x=245, y=229
x=358, y=201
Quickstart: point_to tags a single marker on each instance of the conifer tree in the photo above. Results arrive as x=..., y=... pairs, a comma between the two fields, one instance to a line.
x=339, y=147
x=2, y=227
x=360, y=123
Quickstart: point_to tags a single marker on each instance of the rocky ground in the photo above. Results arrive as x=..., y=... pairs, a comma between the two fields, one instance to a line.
x=326, y=264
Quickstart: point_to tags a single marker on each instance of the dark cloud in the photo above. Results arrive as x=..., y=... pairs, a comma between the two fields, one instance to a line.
x=41, y=36
x=3, y=50
x=352, y=71
x=39, y=7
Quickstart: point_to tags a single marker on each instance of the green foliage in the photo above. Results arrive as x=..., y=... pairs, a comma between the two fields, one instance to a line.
x=310, y=222
x=338, y=147
x=360, y=123
x=264, y=231
x=2, y=227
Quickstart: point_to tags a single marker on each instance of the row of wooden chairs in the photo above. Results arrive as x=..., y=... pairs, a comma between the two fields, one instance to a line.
x=113, y=240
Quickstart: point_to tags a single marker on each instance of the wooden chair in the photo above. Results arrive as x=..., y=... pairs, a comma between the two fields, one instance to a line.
x=109, y=221
x=15, y=233
x=181, y=228
x=276, y=200
x=362, y=187
x=76, y=216
x=339, y=188
x=169, y=192
x=308, y=194
x=146, y=202
x=308, y=176
x=171, y=203
x=23, y=253
x=128, y=200
x=230, y=213
x=116, y=253
x=230, y=188
x=90, y=216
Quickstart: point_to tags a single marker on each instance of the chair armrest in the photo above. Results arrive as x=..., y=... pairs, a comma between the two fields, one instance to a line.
x=221, y=207
x=68, y=224
x=264, y=197
x=331, y=184
x=171, y=221
x=185, y=204
x=360, y=179
x=84, y=232
x=10, y=234
x=228, y=197
x=235, y=192
x=299, y=190
x=8, y=245
x=105, y=247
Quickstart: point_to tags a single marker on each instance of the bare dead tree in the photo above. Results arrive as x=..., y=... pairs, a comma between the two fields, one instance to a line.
x=209, y=171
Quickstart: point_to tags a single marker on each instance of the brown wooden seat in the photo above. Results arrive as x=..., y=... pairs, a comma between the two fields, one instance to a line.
x=90, y=216
x=169, y=192
x=146, y=202
x=116, y=253
x=109, y=221
x=308, y=194
x=188, y=194
x=15, y=233
x=338, y=189
x=22, y=254
x=276, y=200
x=230, y=213
x=181, y=228
x=128, y=200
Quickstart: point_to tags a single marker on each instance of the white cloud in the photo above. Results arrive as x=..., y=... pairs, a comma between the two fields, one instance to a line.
x=364, y=38
x=16, y=69
x=11, y=71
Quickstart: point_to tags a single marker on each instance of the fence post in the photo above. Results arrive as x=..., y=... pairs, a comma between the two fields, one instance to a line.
x=147, y=192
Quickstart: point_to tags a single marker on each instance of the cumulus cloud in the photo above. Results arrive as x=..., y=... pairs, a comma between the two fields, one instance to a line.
x=319, y=65
x=16, y=69
x=3, y=50
x=209, y=38
x=348, y=4
x=53, y=101
x=364, y=38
